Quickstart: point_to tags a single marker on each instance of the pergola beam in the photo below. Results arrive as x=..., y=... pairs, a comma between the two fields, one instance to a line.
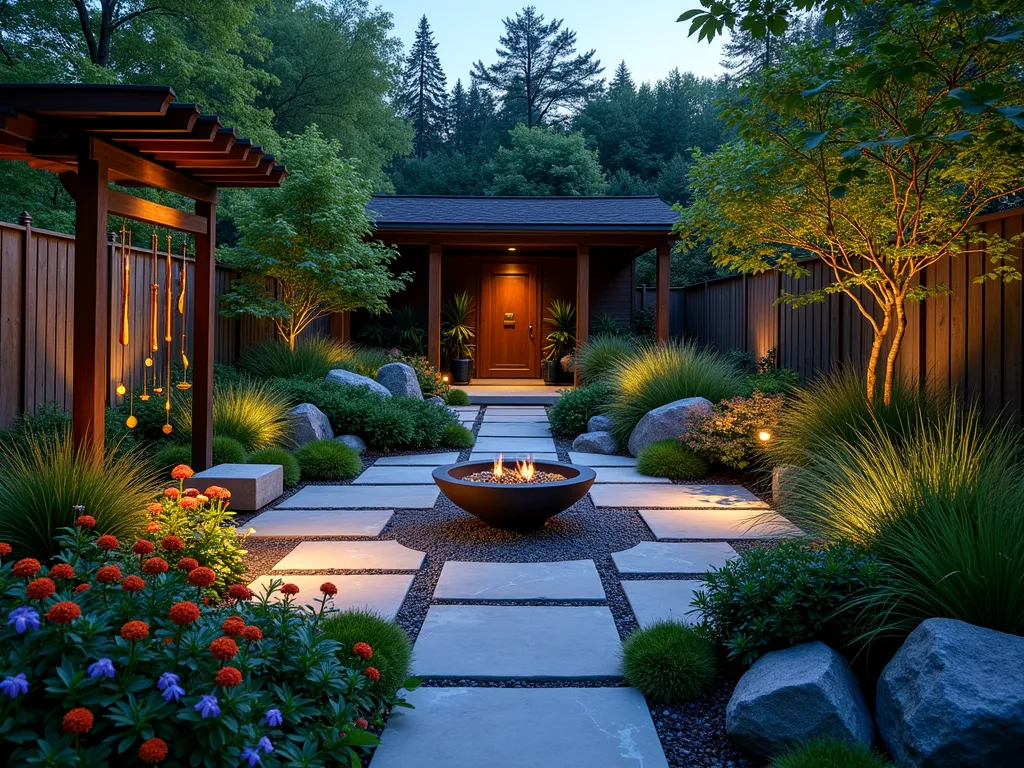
x=149, y=173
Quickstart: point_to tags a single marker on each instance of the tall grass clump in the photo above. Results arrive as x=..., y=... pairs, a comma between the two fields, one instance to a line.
x=599, y=356
x=255, y=413
x=369, y=360
x=660, y=374
x=40, y=486
x=312, y=358
x=829, y=753
x=669, y=662
x=940, y=503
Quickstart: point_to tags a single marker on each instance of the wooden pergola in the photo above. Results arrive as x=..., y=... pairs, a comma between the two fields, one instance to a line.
x=133, y=136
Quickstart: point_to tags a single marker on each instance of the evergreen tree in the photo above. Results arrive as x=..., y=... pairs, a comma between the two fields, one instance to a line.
x=424, y=91
x=538, y=75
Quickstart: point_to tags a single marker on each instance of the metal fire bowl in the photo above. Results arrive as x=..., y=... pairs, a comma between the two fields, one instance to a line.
x=523, y=507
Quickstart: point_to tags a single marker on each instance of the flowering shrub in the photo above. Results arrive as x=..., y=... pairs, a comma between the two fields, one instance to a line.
x=431, y=381
x=131, y=669
x=729, y=433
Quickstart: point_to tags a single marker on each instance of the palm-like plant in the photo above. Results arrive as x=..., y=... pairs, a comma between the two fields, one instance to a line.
x=456, y=331
x=562, y=337
x=409, y=334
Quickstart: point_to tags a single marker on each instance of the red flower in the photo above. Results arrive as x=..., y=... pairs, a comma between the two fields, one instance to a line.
x=182, y=472
x=28, y=566
x=252, y=633
x=373, y=673
x=172, y=493
x=143, y=547
x=63, y=613
x=153, y=750
x=228, y=677
x=191, y=492
x=201, y=577
x=154, y=508
x=40, y=589
x=362, y=650
x=107, y=542
x=133, y=584
x=239, y=592
x=361, y=722
x=81, y=588
x=172, y=543
x=289, y=589
x=233, y=626
x=77, y=721
x=189, y=503
x=5, y=548
x=223, y=648
x=184, y=613
x=108, y=574
x=62, y=571
x=155, y=565
x=328, y=589
x=153, y=527
x=135, y=630
x=86, y=521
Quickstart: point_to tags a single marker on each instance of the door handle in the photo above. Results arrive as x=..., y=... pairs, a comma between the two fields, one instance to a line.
x=531, y=332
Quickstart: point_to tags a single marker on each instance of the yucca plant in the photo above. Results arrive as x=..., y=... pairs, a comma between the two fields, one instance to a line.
x=254, y=413
x=312, y=357
x=456, y=332
x=561, y=338
x=599, y=356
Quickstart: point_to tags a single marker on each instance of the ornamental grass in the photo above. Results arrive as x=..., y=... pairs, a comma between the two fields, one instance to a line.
x=255, y=413
x=311, y=358
x=602, y=354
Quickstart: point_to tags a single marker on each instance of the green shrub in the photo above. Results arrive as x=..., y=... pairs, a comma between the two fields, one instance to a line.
x=41, y=485
x=225, y=374
x=430, y=380
x=575, y=407
x=328, y=460
x=600, y=356
x=780, y=381
x=663, y=373
x=255, y=413
x=941, y=505
x=312, y=358
x=227, y=450
x=672, y=459
x=368, y=360
x=458, y=436
x=392, y=650
x=170, y=455
x=729, y=434
x=669, y=661
x=829, y=754
x=292, y=475
x=771, y=598
x=456, y=397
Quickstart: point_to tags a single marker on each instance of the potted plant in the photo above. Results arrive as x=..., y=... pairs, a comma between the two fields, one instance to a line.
x=561, y=339
x=456, y=333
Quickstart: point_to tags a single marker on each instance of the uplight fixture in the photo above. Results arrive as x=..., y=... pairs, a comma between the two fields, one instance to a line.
x=444, y=379
x=764, y=435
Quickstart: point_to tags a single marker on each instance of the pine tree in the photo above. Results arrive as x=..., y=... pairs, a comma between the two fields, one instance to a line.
x=424, y=91
x=622, y=84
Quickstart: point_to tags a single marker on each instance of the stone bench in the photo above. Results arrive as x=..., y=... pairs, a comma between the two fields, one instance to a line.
x=252, y=486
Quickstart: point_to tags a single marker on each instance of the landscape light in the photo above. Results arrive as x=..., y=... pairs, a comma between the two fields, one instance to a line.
x=764, y=435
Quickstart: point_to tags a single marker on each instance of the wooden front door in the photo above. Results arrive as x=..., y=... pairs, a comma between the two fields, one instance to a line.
x=509, y=343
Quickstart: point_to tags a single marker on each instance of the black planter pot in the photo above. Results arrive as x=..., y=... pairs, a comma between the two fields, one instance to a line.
x=461, y=371
x=551, y=370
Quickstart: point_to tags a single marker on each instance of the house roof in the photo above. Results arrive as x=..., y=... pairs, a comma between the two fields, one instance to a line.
x=522, y=214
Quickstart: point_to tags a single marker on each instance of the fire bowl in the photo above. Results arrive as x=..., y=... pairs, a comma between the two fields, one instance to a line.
x=521, y=507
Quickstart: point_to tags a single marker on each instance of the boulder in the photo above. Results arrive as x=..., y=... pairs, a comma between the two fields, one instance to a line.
x=668, y=421
x=352, y=441
x=599, y=424
x=782, y=478
x=400, y=379
x=790, y=696
x=953, y=695
x=437, y=400
x=596, y=442
x=308, y=423
x=350, y=379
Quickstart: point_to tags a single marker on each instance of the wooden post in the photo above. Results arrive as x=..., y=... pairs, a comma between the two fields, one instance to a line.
x=661, y=304
x=202, y=344
x=434, y=308
x=91, y=314
x=582, y=298
x=341, y=326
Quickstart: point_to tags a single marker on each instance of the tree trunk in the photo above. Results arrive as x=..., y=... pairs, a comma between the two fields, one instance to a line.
x=876, y=352
x=894, y=350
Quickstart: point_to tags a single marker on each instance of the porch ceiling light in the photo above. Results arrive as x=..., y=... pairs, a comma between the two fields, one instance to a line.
x=511, y=249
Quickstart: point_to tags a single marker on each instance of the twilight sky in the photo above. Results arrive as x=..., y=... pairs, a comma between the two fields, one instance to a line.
x=643, y=32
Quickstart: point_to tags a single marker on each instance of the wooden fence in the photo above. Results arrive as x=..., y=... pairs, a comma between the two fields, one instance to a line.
x=36, y=307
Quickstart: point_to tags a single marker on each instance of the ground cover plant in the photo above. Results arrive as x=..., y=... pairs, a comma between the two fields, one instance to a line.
x=829, y=754
x=575, y=407
x=672, y=459
x=311, y=357
x=328, y=460
x=458, y=436
x=669, y=662
x=286, y=459
x=600, y=355
x=731, y=433
x=456, y=397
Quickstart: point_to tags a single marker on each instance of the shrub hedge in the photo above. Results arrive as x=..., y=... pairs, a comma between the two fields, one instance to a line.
x=575, y=407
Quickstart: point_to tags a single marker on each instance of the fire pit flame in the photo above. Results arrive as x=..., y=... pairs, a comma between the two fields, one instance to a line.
x=526, y=469
x=499, y=466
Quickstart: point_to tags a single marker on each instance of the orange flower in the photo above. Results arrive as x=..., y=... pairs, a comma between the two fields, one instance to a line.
x=5, y=548
x=289, y=589
x=77, y=721
x=228, y=677
x=153, y=750
x=189, y=503
x=233, y=626
x=202, y=499
x=107, y=542
x=153, y=527
x=252, y=633
x=63, y=612
x=172, y=493
x=28, y=566
x=373, y=673
x=239, y=592
x=154, y=508
x=172, y=543
x=133, y=584
x=184, y=613
x=182, y=472
x=223, y=648
x=217, y=492
x=86, y=521
x=202, y=577
x=143, y=547
x=155, y=565
x=135, y=630
x=62, y=571
x=188, y=564
x=108, y=574
x=81, y=588
x=362, y=650
x=40, y=589
x=328, y=589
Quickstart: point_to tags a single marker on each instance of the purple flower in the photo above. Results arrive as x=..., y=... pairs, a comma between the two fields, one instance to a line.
x=273, y=718
x=253, y=757
x=14, y=686
x=168, y=684
x=207, y=707
x=23, y=618
x=101, y=668
x=264, y=745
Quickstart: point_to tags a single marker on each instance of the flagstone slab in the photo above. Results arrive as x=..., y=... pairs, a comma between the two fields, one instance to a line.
x=529, y=642
x=418, y=460
x=320, y=522
x=512, y=456
x=381, y=593
x=600, y=460
x=465, y=408
x=530, y=409
x=570, y=580
x=516, y=727
x=396, y=475
x=624, y=475
x=653, y=601
x=362, y=497
x=678, y=496
x=508, y=444
x=665, y=557
x=717, y=524
x=351, y=556
x=514, y=429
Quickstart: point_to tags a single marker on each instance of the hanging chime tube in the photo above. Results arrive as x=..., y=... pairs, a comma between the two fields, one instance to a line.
x=183, y=384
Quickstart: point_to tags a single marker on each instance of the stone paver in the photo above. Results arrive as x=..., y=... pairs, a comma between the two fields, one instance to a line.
x=624, y=475
x=599, y=460
x=571, y=580
x=311, y=522
x=510, y=418
x=351, y=556
x=516, y=727
x=418, y=460
x=509, y=444
x=514, y=409
x=531, y=642
x=382, y=593
x=514, y=429
x=677, y=496
x=362, y=497
x=396, y=475
x=465, y=408
x=654, y=601
x=716, y=524
x=511, y=456
x=665, y=557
